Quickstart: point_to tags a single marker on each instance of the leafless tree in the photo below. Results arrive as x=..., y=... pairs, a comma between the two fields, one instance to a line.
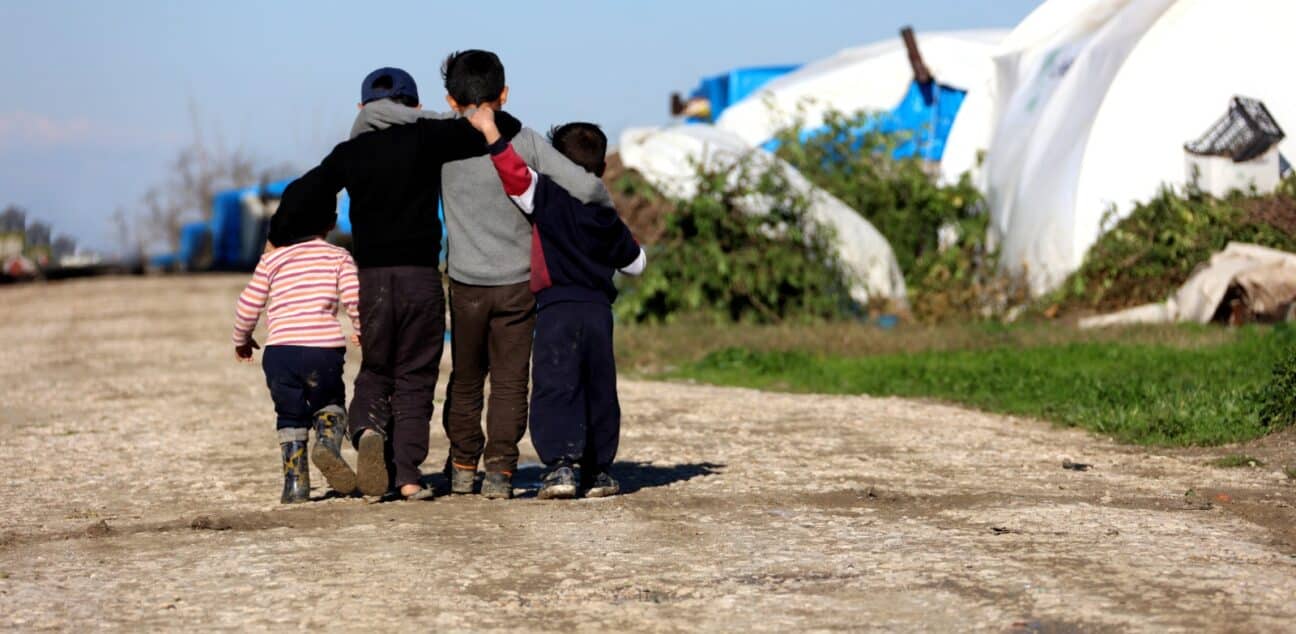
x=200, y=170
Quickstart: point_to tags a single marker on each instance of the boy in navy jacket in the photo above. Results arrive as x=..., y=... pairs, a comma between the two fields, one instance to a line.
x=575, y=250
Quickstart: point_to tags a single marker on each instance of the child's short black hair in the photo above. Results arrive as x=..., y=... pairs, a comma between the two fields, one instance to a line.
x=583, y=143
x=473, y=77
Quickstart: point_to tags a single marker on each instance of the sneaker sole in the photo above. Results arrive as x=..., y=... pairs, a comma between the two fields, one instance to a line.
x=336, y=472
x=371, y=469
x=602, y=492
x=558, y=492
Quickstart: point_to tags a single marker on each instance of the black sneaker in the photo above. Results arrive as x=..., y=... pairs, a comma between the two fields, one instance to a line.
x=371, y=465
x=558, y=484
x=296, y=470
x=497, y=485
x=602, y=486
x=330, y=429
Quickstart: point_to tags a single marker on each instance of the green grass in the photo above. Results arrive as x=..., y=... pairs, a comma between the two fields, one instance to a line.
x=1236, y=461
x=1146, y=393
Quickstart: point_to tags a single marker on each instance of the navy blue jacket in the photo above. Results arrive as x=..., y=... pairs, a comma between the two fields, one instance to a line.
x=575, y=247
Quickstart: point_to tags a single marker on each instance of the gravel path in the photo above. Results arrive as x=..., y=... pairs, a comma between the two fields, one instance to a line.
x=141, y=488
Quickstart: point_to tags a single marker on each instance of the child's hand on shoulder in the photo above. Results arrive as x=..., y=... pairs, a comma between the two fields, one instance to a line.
x=484, y=120
x=243, y=353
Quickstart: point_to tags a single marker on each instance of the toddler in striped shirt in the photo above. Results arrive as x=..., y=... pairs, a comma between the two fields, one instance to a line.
x=299, y=287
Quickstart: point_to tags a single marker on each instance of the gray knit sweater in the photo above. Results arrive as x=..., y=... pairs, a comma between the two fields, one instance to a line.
x=489, y=240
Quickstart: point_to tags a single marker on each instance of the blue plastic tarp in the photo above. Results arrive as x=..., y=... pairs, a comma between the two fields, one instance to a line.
x=726, y=89
x=923, y=118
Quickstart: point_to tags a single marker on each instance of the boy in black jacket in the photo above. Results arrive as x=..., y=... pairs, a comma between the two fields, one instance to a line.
x=575, y=250
x=394, y=178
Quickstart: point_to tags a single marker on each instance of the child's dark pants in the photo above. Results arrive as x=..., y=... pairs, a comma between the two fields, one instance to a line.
x=402, y=333
x=302, y=381
x=491, y=333
x=575, y=416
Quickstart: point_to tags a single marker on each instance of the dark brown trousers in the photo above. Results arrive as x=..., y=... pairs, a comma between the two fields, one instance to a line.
x=491, y=328
x=402, y=333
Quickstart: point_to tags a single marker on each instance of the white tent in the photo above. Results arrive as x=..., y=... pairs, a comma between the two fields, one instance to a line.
x=872, y=78
x=668, y=158
x=1094, y=101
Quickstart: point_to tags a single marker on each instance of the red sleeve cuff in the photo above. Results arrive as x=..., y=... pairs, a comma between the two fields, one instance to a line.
x=512, y=170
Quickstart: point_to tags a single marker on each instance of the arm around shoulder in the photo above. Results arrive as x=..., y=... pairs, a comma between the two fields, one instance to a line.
x=582, y=185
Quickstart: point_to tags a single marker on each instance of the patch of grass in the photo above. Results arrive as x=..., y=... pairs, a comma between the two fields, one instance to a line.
x=1145, y=393
x=1290, y=472
x=656, y=348
x=1237, y=460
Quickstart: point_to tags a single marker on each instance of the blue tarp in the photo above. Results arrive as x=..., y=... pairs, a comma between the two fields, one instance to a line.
x=924, y=117
x=729, y=88
x=236, y=247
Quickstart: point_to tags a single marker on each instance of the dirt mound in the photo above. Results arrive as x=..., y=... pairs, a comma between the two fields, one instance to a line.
x=642, y=207
x=1278, y=212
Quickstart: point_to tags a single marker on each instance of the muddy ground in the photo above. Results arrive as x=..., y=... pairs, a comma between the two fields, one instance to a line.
x=141, y=486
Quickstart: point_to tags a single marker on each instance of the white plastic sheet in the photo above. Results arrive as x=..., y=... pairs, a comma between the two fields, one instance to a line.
x=669, y=157
x=1094, y=101
x=1267, y=277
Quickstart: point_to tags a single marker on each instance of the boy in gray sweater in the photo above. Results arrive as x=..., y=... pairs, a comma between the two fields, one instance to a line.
x=492, y=310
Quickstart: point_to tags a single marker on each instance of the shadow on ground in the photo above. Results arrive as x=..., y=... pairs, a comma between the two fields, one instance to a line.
x=632, y=475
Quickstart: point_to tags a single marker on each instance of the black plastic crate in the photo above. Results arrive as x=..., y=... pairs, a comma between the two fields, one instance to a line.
x=1247, y=131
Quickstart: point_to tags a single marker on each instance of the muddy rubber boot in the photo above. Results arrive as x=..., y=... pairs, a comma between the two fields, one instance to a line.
x=497, y=485
x=371, y=465
x=296, y=467
x=330, y=430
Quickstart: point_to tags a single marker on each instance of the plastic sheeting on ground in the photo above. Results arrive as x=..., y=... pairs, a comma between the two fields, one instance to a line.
x=874, y=77
x=669, y=158
x=1264, y=280
x=1095, y=100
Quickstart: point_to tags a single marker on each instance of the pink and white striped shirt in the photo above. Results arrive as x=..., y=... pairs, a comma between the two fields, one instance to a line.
x=302, y=284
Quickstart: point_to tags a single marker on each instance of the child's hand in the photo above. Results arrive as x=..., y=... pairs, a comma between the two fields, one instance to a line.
x=484, y=120
x=355, y=339
x=244, y=352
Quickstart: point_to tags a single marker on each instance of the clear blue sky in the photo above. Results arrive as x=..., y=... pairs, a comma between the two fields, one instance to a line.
x=95, y=95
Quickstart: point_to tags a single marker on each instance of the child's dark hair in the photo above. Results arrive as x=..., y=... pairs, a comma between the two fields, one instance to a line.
x=473, y=77
x=583, y=143
x=384, y=82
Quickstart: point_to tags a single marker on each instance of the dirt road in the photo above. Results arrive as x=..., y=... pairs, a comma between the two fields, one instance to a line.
x=141, y=487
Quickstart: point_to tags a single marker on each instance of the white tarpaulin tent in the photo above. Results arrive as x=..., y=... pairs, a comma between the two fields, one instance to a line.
x=1095, y=100
x=872, y=78
x=669, y=158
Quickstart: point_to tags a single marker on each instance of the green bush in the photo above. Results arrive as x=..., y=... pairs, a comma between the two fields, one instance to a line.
x=904, y=202
x=1151, y=252
x=1278, y=397
x=714, y=260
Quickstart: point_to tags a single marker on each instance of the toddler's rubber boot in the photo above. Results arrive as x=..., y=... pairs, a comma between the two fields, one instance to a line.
x=330, y=433
x=371, y=465
x=296, y=467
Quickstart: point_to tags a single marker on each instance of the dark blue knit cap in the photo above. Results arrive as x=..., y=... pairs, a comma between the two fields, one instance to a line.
x=402, y=85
